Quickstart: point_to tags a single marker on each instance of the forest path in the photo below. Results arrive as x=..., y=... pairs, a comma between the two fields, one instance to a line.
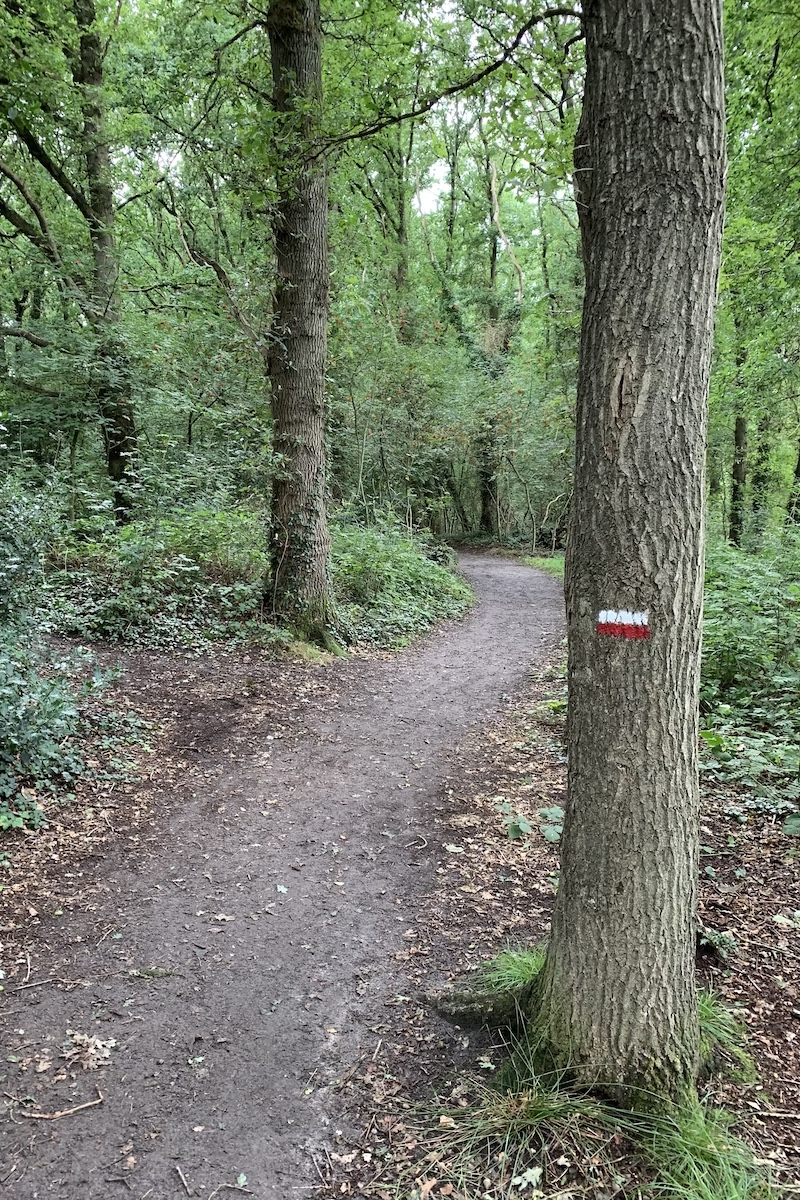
x=271, y=905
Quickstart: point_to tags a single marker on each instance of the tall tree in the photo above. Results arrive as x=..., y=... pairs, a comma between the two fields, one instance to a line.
x=59, y=157
x=300, y=549
x=617, y=995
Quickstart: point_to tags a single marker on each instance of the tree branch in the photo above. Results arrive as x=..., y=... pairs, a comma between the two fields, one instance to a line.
x=453, y=90
x=16, y=331
x=38, y=152
x=34, y=206
x=27, y=230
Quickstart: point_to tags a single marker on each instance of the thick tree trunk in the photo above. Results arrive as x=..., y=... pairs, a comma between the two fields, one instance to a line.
x=300, y=549
x=113, y=387
x=739, y=480
x=617, y=994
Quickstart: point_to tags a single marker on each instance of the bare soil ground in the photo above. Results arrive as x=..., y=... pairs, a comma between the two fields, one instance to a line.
x=242, y=947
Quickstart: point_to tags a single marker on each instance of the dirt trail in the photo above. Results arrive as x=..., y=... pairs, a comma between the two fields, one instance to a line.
x=276, y=897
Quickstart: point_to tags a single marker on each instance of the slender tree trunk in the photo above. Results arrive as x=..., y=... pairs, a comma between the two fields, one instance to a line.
x=762, y=477
x=300, y=546
x=617, y=995
x=487, y=478
x=793, y=507
x=739, y=480
x=113, y=389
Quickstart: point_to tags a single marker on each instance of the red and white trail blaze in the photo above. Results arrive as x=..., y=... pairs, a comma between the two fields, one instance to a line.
x=623, y=624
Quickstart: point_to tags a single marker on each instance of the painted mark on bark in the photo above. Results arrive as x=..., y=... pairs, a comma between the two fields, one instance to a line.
x=624, y=624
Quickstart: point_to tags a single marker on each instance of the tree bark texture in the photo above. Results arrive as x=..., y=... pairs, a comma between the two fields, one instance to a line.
x=617, y=994
x=113, y=390
x=300, y=549
x=739, y=489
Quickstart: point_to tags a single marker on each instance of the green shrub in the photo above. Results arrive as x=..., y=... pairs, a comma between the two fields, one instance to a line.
x=750, y=692
x=391, y=588
x=195, y=578
x=200, y=576
x=24, y=522
x=40, y=719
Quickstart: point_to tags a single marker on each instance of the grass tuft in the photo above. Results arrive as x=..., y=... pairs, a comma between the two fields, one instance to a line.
x=722, y=1039
x=530, y=1133
x=511, y=969
x=551, y=564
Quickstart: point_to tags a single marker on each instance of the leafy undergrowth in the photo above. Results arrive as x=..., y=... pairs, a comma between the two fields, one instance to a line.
x=750, y=693
x=496, y=876
x=193, y=582
x=200, y=577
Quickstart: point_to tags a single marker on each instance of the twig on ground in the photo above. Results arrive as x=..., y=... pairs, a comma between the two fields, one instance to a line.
x=230, y=1187
x=182, y=1178
x=42, y=982
x=319, y=1172
x=63, y=1112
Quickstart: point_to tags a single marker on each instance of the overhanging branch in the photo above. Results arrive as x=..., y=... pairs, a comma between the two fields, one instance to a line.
x=455, y=89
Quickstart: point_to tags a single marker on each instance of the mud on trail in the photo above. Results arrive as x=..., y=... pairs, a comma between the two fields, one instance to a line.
x=243, y=956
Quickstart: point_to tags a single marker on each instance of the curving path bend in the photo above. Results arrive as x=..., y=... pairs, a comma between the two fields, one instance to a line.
x=262, y=990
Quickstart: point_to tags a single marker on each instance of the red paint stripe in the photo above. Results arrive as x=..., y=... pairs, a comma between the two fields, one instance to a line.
x=623, y=630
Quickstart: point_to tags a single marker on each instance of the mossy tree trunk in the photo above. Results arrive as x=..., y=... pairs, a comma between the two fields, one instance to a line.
x=301, y=594
x=617, y=994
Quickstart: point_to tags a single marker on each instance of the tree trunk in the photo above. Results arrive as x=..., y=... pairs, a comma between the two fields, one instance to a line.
x=762, y=477
x=616, y=999
x=793, y=507
x=486, y=453
x=301, y=592
x=739, y=480
x=113, y=387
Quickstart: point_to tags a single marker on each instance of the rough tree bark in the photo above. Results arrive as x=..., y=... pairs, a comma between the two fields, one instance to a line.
x=739, y=489
x=301, y=592
x=617, y=996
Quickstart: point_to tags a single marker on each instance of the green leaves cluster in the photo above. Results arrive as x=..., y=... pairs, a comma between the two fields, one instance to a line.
x=750, y=692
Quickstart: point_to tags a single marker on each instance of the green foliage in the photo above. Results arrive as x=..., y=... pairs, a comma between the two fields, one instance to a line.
x=200, y=576
x=552, y=825
x=750, y=691
x=185, y=581
x=40, y=720
x=391, y=589
x=517, y=825
x=23, y=523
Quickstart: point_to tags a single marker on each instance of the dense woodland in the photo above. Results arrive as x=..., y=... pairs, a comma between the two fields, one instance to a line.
x=185, y=462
